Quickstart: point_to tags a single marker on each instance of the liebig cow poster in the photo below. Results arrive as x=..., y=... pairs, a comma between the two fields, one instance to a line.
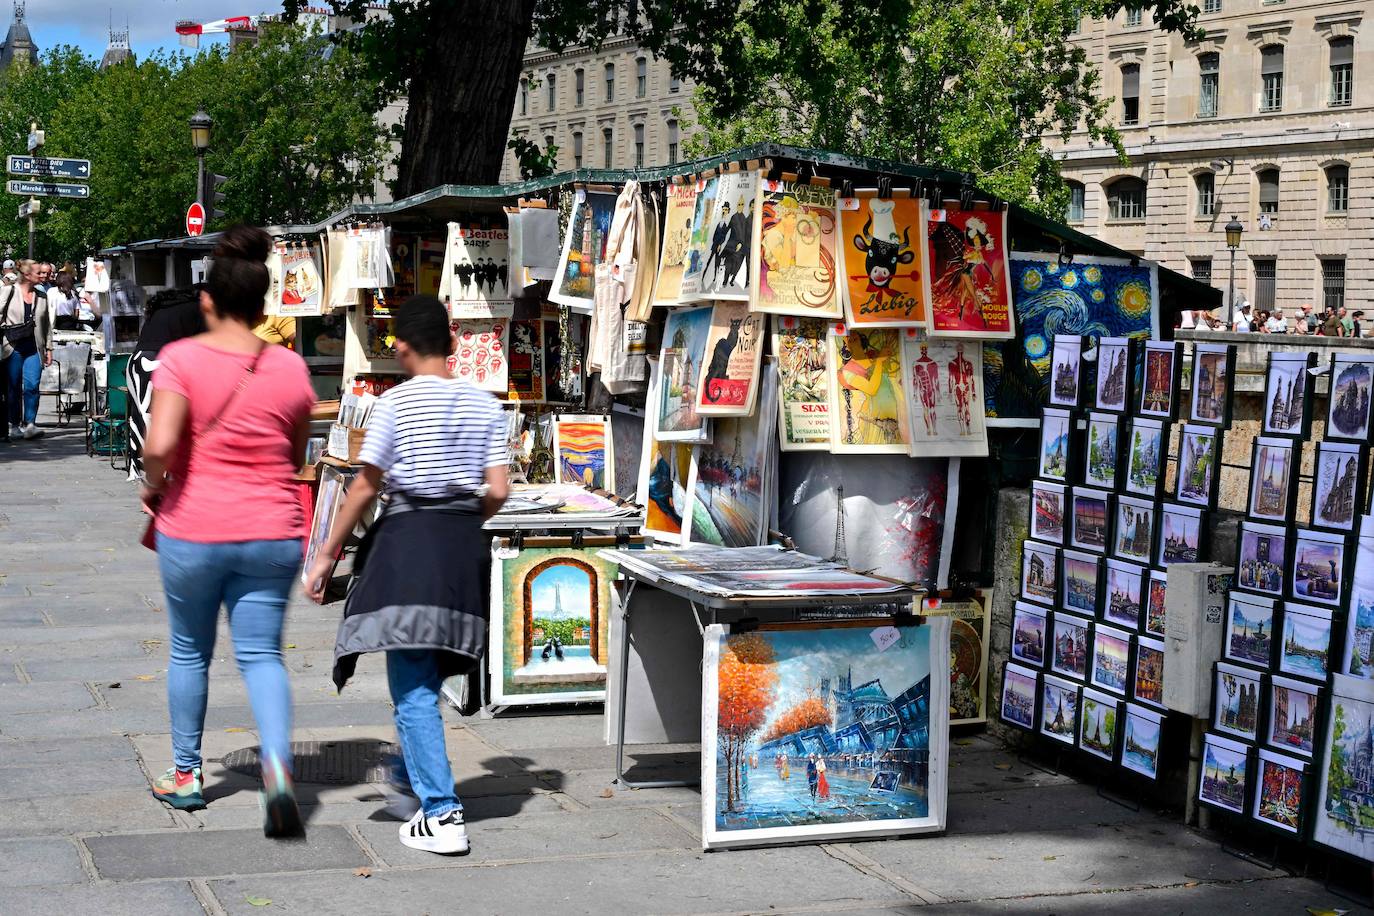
x=883, y=261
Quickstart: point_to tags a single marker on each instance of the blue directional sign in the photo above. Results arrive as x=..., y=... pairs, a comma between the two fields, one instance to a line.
x=48, y=189
x=49, y=167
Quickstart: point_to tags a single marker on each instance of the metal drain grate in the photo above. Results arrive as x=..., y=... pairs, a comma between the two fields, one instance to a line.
x=339, y=763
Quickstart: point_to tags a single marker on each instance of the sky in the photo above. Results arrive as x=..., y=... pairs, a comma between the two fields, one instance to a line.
x=151, y=23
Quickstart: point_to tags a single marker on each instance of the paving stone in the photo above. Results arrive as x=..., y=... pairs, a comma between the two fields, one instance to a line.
x=545, y=731
x=18, y=699
x=1048, y=808
x=151, y=899
x=588, y=786
x=39, y=861
x=645, y=756
x=182, y=854
x=64, y=751
x=70, y=778
x=95, y=812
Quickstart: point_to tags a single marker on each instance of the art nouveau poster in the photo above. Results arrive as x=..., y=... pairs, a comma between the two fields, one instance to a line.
x=1344, y=818
x=699, y=243
x=882, y=259
x=722, y=238
x=666, y=481
x=794, y=272
x=727, y=382
x=946, y=395
x=584, y=246
x=800, y=346
x=794, y=749
x=481, y=354
x=967, y=279
x=732, y=497
x=684, y=345
x=582, y=450
x=525, y=377
x=677, y=242
x=475, y=282
x=869, y=411
x=302, y=289
x=550, y=624
x=968, y=654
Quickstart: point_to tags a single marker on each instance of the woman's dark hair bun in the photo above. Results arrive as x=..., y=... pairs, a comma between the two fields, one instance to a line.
x=243, y=241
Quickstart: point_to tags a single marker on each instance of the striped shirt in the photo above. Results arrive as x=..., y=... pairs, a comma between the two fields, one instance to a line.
x=435, y=437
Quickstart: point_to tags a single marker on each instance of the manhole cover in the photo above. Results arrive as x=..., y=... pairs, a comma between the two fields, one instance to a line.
x=329, y=762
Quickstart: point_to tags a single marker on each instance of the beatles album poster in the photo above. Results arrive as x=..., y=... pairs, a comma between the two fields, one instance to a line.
x=794, y=270
x=475, y=280
x=946, y=395
x=883, y=260
x=968, y=281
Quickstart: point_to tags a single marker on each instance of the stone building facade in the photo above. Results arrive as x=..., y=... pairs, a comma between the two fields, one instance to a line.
x=1269, y=118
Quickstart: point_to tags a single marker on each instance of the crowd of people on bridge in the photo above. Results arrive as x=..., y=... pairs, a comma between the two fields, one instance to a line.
x=1332, y=321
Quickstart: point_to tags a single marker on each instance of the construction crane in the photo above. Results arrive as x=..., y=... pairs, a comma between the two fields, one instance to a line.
x=235, y=26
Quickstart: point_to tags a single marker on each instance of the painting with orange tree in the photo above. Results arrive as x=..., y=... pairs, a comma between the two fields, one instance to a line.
x=883, y=260
x=582, y=447
x=967, y=280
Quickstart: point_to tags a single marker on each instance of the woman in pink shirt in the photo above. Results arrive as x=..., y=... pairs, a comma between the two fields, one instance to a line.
x=230, y=419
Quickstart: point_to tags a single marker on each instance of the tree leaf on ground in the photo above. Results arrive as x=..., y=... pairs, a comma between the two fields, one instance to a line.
x=257, y=901
x=144, y=677
x=362, y=871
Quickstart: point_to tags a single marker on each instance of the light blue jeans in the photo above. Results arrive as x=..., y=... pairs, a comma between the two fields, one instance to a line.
x=413, y=675
x=253, y=580
x=23, y=370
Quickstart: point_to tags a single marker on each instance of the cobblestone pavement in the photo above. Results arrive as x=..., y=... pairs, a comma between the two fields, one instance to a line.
x=83, y=722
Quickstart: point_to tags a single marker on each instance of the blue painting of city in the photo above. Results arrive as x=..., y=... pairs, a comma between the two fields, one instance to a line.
x=867, y=755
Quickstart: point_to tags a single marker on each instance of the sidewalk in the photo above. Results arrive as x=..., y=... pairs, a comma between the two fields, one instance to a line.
x=83, y=723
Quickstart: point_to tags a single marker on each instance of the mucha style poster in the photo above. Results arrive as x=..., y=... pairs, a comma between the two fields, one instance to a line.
x=525, y=376
x=803, y=396
x=582, y=450
x=584, y=246
x=665, y=480
x=727, y=381
x=677, y=243
x=869, y=410
x=946, y=395
x=967, y=277
x=481, y=354
x=968, y=653
x=684, y=344
x=882, y=257
x=794, y=270
x=475, y=280
x=722, y=238
x=302, y=289
x=733, y=496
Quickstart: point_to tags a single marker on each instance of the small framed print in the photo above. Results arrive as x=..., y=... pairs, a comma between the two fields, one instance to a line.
x=1066, y=371
x=1288, y=394
x=1305, y=641
x=1134, y=536
x=1104, y=438
x=1280, y=797
x=1020, y=688
x=1125, y=595
x=1225, y=780
x=1114, y=373
x=1262, y=558
x=1339, y=471
x=1099, y=723
x=1182, y=532
x=1039, y=573
x=1199, y=465
x=1357, y=658
x=1147, y=672
x=1059, y=709
x=1091, y=519
x=1147, y=451
x=1236, y=702
x=1069, y=651
x=1319, y=567
x=1249, y=634
x=1111, y=661
x=1081, y=575
x=1140, y=740
x=1274, y=479
x=1048, y=508
x=1347, y=412
x=1156, y=591
x=1214, y=368
x=1056, y=440
x=1291, y=715
x=1160, y=371
x=1030, y=627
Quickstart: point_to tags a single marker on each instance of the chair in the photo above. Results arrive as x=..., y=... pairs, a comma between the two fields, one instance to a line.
x=107, y=425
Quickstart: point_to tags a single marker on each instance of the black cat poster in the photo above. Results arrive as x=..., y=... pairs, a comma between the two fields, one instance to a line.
x=729, y=379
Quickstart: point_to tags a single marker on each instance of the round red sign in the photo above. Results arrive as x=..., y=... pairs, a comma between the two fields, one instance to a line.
x=195, y=219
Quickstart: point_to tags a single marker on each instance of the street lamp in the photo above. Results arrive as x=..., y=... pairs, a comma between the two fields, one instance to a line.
x=1233, y=233
x=201, y=124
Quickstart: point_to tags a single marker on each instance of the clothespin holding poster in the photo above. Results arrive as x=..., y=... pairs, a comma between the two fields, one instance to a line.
x=966, y=192
x=531, y=204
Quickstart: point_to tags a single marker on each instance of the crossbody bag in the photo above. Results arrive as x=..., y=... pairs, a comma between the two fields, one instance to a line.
x=15, y=334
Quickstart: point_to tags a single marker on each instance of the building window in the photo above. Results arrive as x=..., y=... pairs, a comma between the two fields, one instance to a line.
x=1209, y=67
x=1342, y=71
x=1264, y=284
x=674, y=84
x=639, y=146
x=579, y=87
x=1077, y=196
x=1202, y=269
x=577, y=149
x=551, y=85
x=1126, y=199
x=1130, y=94
x=1269, y=191
x=607, y=142
x=1333, y=282
x=548, y=142
x=1271, y=72
x=672, y=140
x=610, y=82
x=641, y=77
x=1337, y=188
x=1206, y=183
x=1132, y=18
x=524, y=96
x=1211, y=6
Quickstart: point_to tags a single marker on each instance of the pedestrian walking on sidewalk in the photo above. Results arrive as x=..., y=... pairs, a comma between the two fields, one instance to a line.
x=26, y=324
x=227, y=432
x=421, y=574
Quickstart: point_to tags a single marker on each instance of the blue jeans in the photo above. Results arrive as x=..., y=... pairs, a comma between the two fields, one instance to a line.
x=413, y=675
x=253, y=580
x=23, y=369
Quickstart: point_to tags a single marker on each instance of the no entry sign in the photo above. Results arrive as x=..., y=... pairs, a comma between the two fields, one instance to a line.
x=195, y=219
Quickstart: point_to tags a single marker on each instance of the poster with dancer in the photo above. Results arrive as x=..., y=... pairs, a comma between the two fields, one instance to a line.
x=722, y=239
x=967, y=281
x=665, y=480
x=794, y=271
x=481, y=354
x=732, y=496
x=869, y=410
x=475, y=279
x=525, y=377
x=584, y=246
x=727, y=382
x=946, y=395
x=883, y=260
x=582, y=450
x=684, y=345
x=302, y=289
x=801, y=347
x=677, y=242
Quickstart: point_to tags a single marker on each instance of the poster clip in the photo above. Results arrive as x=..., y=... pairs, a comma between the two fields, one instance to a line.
x=906, y=617
x=846, y=188
x=577, y=538
x=517, y=539
x=966, y=192
x=1065, y=256
x=885, y=186
x=820, y=181
x=622, y=537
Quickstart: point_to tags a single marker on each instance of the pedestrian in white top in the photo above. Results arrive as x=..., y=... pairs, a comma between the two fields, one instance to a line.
x=1242, y=325
x=1277, y=324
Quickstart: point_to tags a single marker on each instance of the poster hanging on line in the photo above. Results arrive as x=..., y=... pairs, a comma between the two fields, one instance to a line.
x=677, y=242
x=481, y=354
x=475, y=281
x=582, y=450
x=946, y=395
x=966, y=278
x=665, y=479
x=722, y=239
x=793, y=268
x=731, y=504
x=584, y=246
x=684, y=345
x=869, y=411
x=883, y=260
x=525, y=376
x=727, y=382
x=302, y=289
x=800, y=346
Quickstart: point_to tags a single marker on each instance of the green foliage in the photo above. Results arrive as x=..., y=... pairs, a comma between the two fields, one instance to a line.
x=562, y=630
x=1337, y=773
x=534, y=162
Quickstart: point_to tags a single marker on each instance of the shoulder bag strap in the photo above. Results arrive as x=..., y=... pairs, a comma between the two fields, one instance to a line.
x=8, y=299
x=233, y=396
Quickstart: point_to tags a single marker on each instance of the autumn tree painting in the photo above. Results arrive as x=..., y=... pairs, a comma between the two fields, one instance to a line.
x=746, y=680
x=809, y=713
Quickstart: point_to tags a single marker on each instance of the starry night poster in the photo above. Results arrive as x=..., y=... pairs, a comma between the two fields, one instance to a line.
x=1091, y=296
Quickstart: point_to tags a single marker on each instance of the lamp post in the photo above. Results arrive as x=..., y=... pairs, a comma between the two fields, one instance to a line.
x=1233, y=233
x=200, y=123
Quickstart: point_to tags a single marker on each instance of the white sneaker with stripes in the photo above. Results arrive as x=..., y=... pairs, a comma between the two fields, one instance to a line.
x=445, y=834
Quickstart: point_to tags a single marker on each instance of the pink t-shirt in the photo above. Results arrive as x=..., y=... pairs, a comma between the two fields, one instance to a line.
x=236, y=484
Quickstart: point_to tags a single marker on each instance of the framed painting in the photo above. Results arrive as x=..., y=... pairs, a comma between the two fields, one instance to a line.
x=1262, y=558
x=1199, y=465
x=1056, y=443
x=1105, y=435
x=333, y=487
x=1160, y=371
x=1274, y=479
x=1288, y=394
x=1339, y=472
x=1156, y=603
x=1059, y=708
x=882, y=258
x=1305, y=641
x=733, y=496
x=1147, y=453
x=868, y=393
x=1047, y=511
x=1082, y=577
x=679, y=363
x=968, y=653
x=788, y=754
x=1225, y=779
x=1114, y=373
x=728, y=380
x=1319, y=567
x=584, y=246
x=475, y=282
x=551, y=605
x=1182, y=534
x=1280, y=797
x=1249, y=635
x=1020, y=688
x=583, y=450
x=801, y=348
x=1099, y=724
x=1134, y=536
x=793, y=263
x=1111, y=661
x=1347, y=412
x=723, y=240
x=1214, y=369
x=946, y=396
x=1236, y=701
x=1066, y=373
x=677, y=241
x=1343, y=820
x=1125, y=594
x=1069, y=650
x=968, y=280
x=1147, y=672
x=1029, y=634
x=1291, y=715
x=666, y=484
x=1357, y=658
x=1140, y=741
x=1091, y=514
x=1040, y=573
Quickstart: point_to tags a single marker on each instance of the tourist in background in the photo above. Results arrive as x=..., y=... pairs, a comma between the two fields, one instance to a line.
x=1242, y=325
x=171, y=315
x=1331, y=325
x=1276, y=323
x=26, y=325
x=1347, y=323
x=1358, y=317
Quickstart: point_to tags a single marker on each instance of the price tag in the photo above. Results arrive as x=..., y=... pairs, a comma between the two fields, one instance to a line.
x=884, y=637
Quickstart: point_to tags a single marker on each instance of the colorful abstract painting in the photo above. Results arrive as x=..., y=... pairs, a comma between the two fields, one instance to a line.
x=1092, y=297
x=794, y=270
x=966, y=277
x=582, y=449
x=883, y=261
